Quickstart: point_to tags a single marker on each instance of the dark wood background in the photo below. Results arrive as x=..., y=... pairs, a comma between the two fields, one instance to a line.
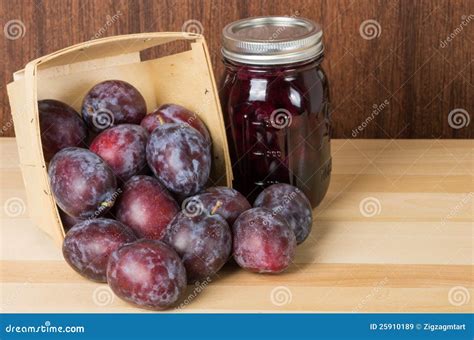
x=407, y=64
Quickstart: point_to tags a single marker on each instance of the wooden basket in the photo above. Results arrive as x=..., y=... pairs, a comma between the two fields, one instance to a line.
x=184, y=78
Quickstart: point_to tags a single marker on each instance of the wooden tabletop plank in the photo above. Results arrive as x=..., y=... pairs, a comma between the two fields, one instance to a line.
x=307, y=275
x=413, y=253
x=85, y=297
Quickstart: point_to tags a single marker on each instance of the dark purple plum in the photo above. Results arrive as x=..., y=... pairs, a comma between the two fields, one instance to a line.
x=229, y=203
x=146, y=206
x=122, y=147
x=173, y=113
x=61, y=127
x=147, y=273
x=292, y=204
x=263, y=241
x=179, y=157
x=203, y=242
x=82, y=184
x=89, y=244
x=113, y=102
x=226, y=202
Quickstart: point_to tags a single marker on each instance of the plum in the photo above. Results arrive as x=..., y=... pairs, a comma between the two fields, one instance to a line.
x=146, y=206
x=173, y=113
x=263, y=241
x=82, y=184
x=179, y=157
x=61, y=127
x=204, y=243
x=122, y=147
x=88, y=245
x=113, y=102
x=292, y=204
x=229, y=203
x=226, y=202
x=147, y=273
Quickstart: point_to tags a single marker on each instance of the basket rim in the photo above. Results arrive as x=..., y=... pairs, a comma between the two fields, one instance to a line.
x=100, y=41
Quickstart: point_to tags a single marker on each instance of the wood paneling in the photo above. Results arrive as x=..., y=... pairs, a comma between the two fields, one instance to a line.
x=406, y=64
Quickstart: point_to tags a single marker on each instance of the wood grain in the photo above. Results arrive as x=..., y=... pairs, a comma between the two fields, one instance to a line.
x=406, y=64
x=413, y=255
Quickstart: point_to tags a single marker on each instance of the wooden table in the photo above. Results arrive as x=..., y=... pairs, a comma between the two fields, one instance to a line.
x=394, y=234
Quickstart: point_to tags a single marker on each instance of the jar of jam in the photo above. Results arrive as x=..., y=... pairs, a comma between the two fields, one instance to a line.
x=276, y=105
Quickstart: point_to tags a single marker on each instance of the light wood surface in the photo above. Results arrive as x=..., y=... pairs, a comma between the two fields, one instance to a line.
x=414, y=255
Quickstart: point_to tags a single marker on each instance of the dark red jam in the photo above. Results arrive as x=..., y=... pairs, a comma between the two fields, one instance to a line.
x=278, y=126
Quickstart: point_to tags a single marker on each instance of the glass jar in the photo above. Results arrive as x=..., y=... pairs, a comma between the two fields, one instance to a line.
x=275, y=99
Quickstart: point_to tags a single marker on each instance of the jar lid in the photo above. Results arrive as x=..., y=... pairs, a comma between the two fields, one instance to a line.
x=272, y=40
